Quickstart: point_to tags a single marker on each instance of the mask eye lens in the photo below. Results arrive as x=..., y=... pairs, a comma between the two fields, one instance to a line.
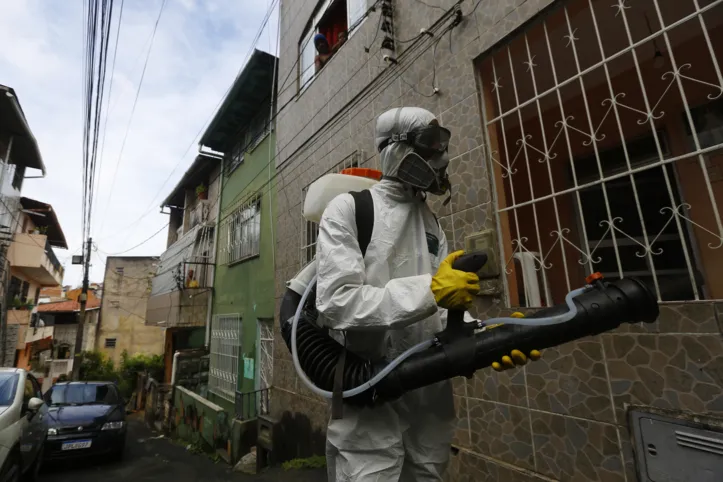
x=433, y=138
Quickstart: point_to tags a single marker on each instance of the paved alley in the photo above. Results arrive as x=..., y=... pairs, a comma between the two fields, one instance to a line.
x=149, y=458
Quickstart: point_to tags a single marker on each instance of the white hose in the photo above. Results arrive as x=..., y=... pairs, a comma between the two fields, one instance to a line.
x=353, y=391
x=549, y=320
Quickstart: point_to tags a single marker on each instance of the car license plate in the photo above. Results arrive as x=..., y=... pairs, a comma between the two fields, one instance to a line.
x=76, y=444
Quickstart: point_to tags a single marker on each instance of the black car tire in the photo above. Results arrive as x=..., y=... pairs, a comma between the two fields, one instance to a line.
x=12, y=469
x=34, y=470
x=118, y=455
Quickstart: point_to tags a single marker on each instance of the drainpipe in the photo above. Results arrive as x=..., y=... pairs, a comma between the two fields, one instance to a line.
x=174, y=367
x=214, y=250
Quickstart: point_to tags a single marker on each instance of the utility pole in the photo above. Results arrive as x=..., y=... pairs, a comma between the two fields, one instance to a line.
x=5, y=269
x=83, y=299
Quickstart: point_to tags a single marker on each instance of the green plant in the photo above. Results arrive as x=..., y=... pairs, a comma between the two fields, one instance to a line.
x=96, y=366
x=130, y=366
x=17, y=304
x=201, y=189
x=42, y=229
x=313, y=462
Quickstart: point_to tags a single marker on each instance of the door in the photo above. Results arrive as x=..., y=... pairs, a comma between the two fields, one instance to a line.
x=39, y=421
x=27, y=442
x=32, y=425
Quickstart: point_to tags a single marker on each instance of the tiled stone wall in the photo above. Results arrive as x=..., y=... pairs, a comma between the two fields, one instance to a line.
x=561, y=418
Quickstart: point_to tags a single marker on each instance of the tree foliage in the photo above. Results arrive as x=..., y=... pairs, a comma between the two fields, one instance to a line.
x=96, y=366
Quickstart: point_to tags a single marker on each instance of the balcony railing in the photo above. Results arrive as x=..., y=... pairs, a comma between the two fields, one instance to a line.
x=51, y=256
x=195, y=274
x=34, y=255
x=250, y=405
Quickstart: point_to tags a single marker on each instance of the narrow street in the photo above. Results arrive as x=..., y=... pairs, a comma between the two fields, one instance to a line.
x=149, y=458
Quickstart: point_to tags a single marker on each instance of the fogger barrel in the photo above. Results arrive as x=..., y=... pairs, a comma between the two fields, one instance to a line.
x=600, y=309
x=603, y=308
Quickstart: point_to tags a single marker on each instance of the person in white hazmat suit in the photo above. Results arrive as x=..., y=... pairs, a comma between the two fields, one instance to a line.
x=391, y=299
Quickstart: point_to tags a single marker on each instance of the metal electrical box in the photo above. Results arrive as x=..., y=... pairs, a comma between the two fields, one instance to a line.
x=485, y=241
x=672, y=450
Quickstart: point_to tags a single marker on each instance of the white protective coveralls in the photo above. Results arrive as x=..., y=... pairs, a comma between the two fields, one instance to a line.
x=385, y=305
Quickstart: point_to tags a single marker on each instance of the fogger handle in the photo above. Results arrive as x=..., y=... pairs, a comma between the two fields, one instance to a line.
x=469, y=263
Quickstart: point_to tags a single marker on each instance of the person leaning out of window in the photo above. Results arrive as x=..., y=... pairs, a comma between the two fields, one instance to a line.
x=324, y=51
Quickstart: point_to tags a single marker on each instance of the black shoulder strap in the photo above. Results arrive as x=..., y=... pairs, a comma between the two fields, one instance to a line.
x=364, y=206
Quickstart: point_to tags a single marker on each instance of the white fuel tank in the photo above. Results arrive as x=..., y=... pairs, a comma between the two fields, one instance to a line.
x=326, y=188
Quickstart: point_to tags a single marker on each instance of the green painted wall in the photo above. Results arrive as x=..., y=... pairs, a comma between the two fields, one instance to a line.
x=200, y=421
x=247, y=287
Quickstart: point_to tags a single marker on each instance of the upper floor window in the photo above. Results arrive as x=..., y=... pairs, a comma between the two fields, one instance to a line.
x=119, y=271
x=18, y=177
x=235, y=159
x=249, y=138
x=327, y=31
x=606, y=157
x=241, y=232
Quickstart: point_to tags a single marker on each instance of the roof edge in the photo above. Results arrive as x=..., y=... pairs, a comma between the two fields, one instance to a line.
x=10, y=93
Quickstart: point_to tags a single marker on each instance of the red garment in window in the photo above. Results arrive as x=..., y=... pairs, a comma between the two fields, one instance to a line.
x=333, y=23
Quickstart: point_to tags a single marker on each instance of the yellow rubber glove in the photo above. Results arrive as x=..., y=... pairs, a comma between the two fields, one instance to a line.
x=516, y=358
x=454, y=289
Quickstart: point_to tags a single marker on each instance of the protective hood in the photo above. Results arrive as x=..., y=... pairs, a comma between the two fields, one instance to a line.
x=413, y=149
x=397, y=121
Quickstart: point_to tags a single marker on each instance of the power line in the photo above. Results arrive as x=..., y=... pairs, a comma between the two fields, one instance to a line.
x=208, y=120
x=327, y=126
x=362, y=95
x=281, y=89
x=133, y=110
x=110, y=94
x=380, y=85
x=98, y=24
x=142, y=242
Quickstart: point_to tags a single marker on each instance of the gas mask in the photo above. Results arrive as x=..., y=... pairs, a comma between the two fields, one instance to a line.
x=425, y=167
x=429, y=175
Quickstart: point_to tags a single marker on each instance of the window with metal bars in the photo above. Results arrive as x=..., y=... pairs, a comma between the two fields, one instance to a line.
x=603, y=136
x=249, y=138
x=224, y=355
x=310, y=229
x=241, y=233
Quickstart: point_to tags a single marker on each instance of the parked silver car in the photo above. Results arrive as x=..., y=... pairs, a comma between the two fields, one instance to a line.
x=23, y=425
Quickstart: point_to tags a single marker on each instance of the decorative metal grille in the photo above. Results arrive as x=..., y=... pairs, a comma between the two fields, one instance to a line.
x=266, y=358
x=225, y=348
x=604, y=126
x=309, y=229
x=241, y=232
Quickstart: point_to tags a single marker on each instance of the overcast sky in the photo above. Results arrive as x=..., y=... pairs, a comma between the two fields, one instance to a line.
x=198, y=50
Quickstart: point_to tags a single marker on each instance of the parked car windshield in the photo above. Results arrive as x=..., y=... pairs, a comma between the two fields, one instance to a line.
x=81, y=394
x=8, y=386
